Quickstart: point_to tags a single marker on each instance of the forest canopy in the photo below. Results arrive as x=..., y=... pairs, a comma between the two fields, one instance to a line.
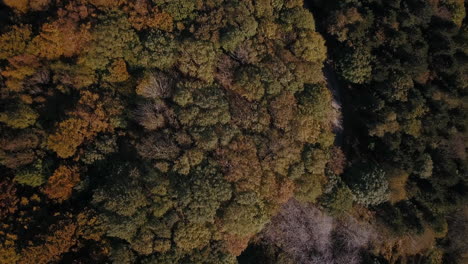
x=233, y=131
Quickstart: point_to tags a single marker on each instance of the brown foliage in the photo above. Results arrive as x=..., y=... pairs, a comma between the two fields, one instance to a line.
x=240, y=162
x=39, y=5
x=18, y=150
x=60, y=184
x=337, y=161
x=235, y=244
x=283, y=109
x=397, y=185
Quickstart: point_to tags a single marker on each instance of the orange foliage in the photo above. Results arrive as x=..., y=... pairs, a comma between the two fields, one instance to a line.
x=88, y=119
x=63, y=37
x=20, y=5
x=60, y=184
x=69, y=135
x=276, y=190
x=58, y=242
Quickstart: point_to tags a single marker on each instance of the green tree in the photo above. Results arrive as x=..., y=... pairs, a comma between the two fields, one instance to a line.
x=368, y=184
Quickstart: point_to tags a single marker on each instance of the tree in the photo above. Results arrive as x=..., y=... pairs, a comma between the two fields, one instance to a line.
x=178, y=9
x=310, y=46
x=69, y=135
x=356, y=66
x=15, y=41
x=33, y=175
x=21, y=5
x=60, y=185
x=198, y=59
x=160, y=50
x=63, y=37
x=244, y=215
x=368, y=184
x=59, y=241
x=202, y=194
x=155, y=85
x=20, y=116
x=8, y=199
x=248, y=83
x=113, y=38
x=191, y=236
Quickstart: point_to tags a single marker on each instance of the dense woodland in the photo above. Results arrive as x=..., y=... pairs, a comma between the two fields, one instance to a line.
x=206, y=131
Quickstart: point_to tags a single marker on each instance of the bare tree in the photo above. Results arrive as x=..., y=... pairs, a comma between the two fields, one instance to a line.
x=155, y=85
x=150, y=116
x=302, y=231
x=310, y=236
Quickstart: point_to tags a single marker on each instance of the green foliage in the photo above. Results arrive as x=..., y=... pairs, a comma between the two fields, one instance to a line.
x=356, y=66
x=191, y=236
x=248, y=83
x=159, y=51
x=244, y=215
x=201, y=196
x=368, y=184
x=102, y=147
x=184, y=118
x=197, y=59
x=310, y=46
x=113, y=38
x=178, y=9
x=339, y=200
x=298, y=18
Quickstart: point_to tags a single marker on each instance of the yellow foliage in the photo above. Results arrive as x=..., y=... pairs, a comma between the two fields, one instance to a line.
x=14, y=42
x=7, y=249
x=117, y=72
